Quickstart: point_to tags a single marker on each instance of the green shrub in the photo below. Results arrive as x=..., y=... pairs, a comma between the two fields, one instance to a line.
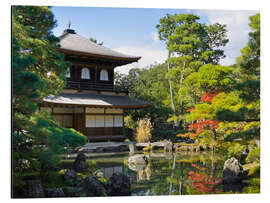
x=130, y=123
x=253, y=155
x=235, y=149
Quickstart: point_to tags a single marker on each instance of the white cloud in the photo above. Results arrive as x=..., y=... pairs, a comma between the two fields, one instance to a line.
x=238, y=29
x=149, y=56
x=155, y=37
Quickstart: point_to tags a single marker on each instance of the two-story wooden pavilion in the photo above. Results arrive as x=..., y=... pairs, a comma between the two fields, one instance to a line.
x=91, y=103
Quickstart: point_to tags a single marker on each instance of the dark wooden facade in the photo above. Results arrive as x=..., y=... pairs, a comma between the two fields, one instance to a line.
x=77, y=121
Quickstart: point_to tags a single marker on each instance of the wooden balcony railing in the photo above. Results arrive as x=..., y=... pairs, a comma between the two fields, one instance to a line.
x=94, y=86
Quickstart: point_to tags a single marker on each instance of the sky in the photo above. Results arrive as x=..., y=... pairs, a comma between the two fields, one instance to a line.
x=133, y=30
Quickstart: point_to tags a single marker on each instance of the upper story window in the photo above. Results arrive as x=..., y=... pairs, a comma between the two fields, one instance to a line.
x=85, y=74
x=68, y=73
x=104, y=75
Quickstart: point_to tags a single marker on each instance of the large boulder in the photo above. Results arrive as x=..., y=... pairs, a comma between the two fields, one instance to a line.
x=119, y=185
x=34, y=189
x=92, y=187
x=232, y=171
x=80, y=164
x=70, y=176
x=99, y=173
x=73, y=191
x=136, y=167
x=54, y=192
x=138, y=159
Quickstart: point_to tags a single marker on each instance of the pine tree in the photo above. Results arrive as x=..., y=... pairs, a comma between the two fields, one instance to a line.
x=33, y=57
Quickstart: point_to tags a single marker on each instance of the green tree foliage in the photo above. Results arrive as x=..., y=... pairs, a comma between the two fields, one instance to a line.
x=31, y=27
x=234, y=103
x=148, y=84
x=221, y=104
x=190, y=45
x=249, y=61
x=249, y=65
x=36, y=136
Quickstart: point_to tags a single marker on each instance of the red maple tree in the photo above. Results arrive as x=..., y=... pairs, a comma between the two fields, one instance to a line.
x=208, y=96
x=200, y=125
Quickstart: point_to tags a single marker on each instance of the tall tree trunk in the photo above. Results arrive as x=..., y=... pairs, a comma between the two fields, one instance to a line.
x=214, y=135
x=181, y=108
x=171, y=93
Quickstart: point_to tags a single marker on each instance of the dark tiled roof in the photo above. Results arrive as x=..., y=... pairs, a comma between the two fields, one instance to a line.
x=96, y=100
x=73, y=42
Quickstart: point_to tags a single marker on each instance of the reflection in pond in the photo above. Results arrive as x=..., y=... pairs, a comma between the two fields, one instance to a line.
x=144, y=174
x=177, y=174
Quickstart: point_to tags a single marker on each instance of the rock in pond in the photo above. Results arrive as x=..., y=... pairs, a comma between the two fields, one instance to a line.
x=92, y=187
x=34, y=189
x=73, y=191
x=70, y=175
x=138, y=159
x=99, y=173
x=54, y=192
x=232, y=171
x=80, y=164
x=119, y=185
x=136, y=167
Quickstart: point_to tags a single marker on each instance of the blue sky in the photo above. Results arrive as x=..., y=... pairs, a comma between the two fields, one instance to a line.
x=132, y=30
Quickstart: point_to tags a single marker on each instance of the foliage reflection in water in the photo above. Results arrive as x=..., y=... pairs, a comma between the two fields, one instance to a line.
x=177, y=174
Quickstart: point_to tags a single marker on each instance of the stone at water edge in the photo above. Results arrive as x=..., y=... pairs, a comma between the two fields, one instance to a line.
x=70, y=175
x=34, y=189
x=138, y=159
x=99, y=173
x=131, y=149
x=73, y=191
x=92, y=187
x=119, y=185
x=80, y=164
x=54, y=192
x=232, y=171
x=136, y=167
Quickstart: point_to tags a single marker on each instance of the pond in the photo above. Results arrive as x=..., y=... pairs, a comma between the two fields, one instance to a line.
x=183, y=173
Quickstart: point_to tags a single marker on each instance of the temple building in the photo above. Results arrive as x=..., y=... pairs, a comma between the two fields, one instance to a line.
x=90, y=103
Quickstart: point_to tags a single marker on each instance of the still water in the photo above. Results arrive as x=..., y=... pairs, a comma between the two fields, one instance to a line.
x=182, y=173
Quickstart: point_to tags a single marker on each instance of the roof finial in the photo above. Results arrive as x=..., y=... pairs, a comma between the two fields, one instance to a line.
x=68, y=24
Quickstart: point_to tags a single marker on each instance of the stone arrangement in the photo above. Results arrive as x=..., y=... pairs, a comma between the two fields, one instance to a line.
x=90, y=186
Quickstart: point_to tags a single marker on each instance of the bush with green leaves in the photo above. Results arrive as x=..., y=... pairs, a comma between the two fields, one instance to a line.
x=36, y=136
x=235, y=149
x=253, y=155
x=129, y=122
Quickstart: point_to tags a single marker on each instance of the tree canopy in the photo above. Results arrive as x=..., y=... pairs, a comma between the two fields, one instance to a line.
x=37, y=71
x=191, y=45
